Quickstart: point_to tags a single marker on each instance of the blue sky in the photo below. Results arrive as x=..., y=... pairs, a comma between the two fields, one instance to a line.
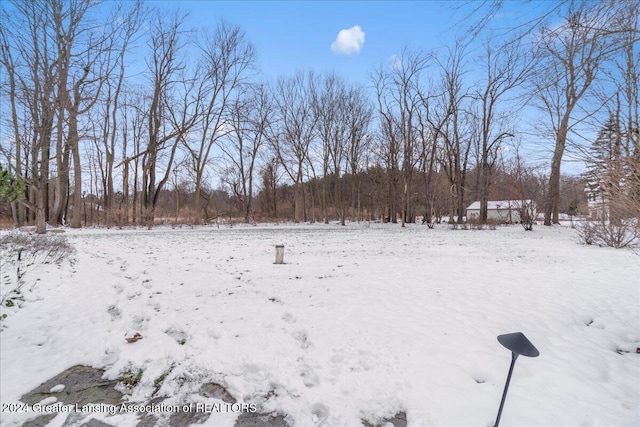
x=297, y=35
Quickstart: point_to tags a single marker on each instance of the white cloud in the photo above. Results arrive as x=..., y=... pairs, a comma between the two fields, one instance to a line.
x=348, y=41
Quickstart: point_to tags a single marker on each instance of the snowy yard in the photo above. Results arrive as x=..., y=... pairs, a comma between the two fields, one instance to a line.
x=360, y=323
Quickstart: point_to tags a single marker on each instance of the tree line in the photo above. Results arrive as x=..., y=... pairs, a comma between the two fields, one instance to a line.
x=85, y=124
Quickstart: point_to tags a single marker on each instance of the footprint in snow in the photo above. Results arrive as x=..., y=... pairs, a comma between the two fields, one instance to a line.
x=178, y=335
x=320, y=413
x=132, y=295
x=302, y=339
x=309, y=378
x=114, y=312
x=288, y=317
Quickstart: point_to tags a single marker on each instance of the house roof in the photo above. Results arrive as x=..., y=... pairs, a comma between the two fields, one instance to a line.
x=500, y=204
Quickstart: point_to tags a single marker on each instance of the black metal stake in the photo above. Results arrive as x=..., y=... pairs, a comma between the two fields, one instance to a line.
x=519, y=345
x=514, y=356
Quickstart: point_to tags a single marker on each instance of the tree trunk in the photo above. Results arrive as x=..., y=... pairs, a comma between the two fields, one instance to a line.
x=73, y=141
x=484, y=196
x=553, y=197
x=198, y=195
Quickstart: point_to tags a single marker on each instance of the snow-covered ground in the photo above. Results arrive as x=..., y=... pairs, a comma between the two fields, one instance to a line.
x=359, y=323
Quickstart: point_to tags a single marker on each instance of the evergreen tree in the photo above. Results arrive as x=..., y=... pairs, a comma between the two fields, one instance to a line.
x=11, y=188
x=605, y=163
x=612, y=169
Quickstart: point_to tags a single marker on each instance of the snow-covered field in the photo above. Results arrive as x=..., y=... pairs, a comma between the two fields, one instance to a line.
x=359, y=323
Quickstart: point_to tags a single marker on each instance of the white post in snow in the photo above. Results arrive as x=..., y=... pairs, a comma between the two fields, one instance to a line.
x=279, y=254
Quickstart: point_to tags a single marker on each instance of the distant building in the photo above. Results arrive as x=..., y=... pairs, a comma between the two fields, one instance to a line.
x=504, y=211
x=597, y=201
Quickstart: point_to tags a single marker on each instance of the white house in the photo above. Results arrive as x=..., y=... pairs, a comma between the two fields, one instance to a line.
x=597, y=201
x=505, y=211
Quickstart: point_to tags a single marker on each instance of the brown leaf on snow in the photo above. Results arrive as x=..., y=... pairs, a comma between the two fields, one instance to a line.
x=134, y=338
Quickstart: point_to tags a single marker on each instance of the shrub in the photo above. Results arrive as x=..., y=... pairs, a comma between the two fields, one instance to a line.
x=587, y=232
x=24, y=252
x=527, y=217
x=618, y=236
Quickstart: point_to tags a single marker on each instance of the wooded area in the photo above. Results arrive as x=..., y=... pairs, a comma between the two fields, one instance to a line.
x=193, y=133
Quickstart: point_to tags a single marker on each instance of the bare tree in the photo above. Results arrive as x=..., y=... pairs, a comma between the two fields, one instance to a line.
x=122, y=32
x=172, y=111
x=226, y=60
x=331, y=110
x=572, y=56
x=251, y=115
x=30, y=60
x=431, y=120
x=57, y=81
x=71, y=89
x=296, y=128
x=269, y=179
x=343, y=120
x=326, y=104
x=505, y=69
x=388, y=141
x=85, y=86
x=359, y=113
x=52, y=85
x=528, y=185
x=133, y=131
x=399, y=94
x=10, y=89
x=455, y=129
